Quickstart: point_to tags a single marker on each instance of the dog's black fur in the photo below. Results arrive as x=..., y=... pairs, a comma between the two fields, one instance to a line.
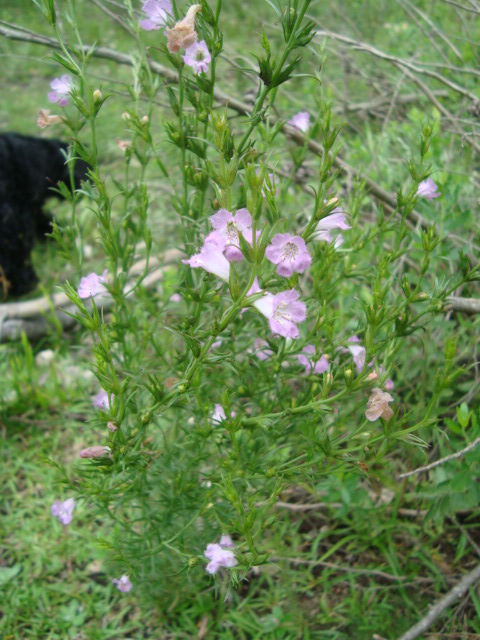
x=29, y=168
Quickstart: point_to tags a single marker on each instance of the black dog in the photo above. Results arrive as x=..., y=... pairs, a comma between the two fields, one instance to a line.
x=29, y=168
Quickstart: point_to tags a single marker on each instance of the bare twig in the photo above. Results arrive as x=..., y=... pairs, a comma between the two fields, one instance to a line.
x=434, y=29
x=114, y=16
x=452, y=456
x=336, y=567
x=466, y=533
x=314, y=506
x=467, y=305
x=461, y=6
x=437, y=610
x=414, y=68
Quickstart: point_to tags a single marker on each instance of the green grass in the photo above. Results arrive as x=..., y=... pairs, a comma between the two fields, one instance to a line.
x=324, y=580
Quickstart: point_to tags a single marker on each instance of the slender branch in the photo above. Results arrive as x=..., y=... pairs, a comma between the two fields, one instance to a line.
x=437, y=610
x=461, y=6
x=366, y=48
x=452, y=456
x=313, y=506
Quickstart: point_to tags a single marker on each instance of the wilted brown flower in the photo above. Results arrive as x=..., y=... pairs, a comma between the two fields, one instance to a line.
x=123, y=144
x=45, y=119
x=183, y=34
x=377, y=406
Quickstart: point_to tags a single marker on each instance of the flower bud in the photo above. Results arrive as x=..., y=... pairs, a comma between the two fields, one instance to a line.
x=97, y=95
x=95, y=452
x=45, y=119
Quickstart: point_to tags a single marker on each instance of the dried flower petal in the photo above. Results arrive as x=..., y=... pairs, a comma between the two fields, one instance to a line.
x=45, y=119
x=183, y=34
x=377, y=406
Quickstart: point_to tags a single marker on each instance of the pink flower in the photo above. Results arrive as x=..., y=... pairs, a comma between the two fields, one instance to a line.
x=124, y=583
x=428, y=189
x=300, y=121
x=219, y=415
x=101, y=401
x=388, y=384
x=61, y=88
x=227, y=226
x=220, y=555
x=262, y=349
x=63, y=510
x=336, y=220
x=226, y=541
x=211, y=258
x=319, y=366
x=377, y=406
x=358, y=353
x=96, y=451
x=175, y=297
x=157, y=12
x=198, y=56
x=290, y=253
x=283, y=311
x=93, y=285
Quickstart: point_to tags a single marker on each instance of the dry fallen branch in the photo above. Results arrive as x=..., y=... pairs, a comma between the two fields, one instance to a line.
x=27, y=317
x=437, y=463
x=467, y=305
x=415, y=68
x=437, y=610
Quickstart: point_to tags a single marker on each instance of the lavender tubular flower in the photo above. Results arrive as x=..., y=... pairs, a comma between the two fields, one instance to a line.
x=283, y=312
x=63, y=510
x=123, y=584
x=61, y=88
x=220, y=555
x=336, y=220
x=93, y=285
x=211, y=258
x=102, y=401
x=300, y=121
x=262, y=349
x=227, y=227
x=198, y=57
x=428, y=189
x=312, y=366
x=290, y=253
x=157, y=12
x=358, y=353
